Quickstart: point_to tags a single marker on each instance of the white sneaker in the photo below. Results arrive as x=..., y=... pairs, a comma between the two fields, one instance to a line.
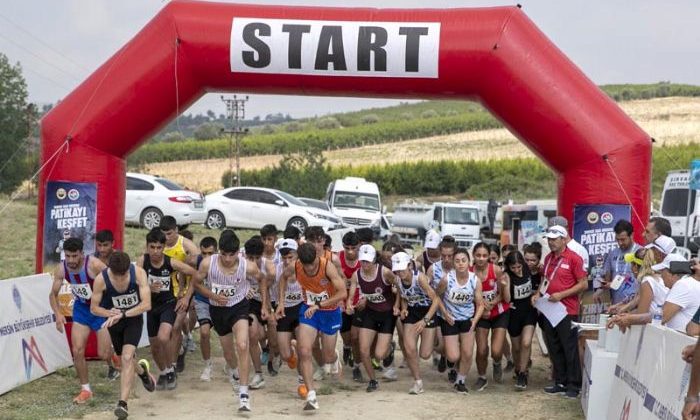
x=257, y=382
x=244, y=402
x=337, y=367
x=311, y=402
x=417, y=388
x=319, y=374
x=391, y=374
x=206, y=373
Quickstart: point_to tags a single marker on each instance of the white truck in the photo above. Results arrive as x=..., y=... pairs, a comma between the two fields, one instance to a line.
x=411, y=221
x=356, y=201
x=674, y=207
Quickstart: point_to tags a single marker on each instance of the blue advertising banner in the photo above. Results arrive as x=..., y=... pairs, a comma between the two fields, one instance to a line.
x=593, y=228
x=694, y=178
x=70, y=211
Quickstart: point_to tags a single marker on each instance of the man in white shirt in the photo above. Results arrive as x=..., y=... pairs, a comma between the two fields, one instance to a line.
x=683, y=298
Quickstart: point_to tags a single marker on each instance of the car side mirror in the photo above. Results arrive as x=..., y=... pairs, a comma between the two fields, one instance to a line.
x=280, y=203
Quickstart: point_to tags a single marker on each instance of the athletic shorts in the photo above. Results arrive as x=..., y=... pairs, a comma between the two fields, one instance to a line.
x=83, y=316
x=291, y=319
x=519, y=318
x=417, y=313
x=255, y=310
x=327, y=322
x=224, y=317
x=126, y=331
x=381, y=322
x=202, y=311
x=164, y=313
x=460, y=327
x=347, y=322
x=501, y=321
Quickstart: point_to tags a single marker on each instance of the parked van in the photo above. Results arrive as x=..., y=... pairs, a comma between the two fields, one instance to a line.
x=674, y=207
x=356, y=201
x=520, y=224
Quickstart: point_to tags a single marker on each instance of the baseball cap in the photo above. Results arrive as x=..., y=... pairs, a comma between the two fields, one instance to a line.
x=558, y=221
x=663, y=243
x=432, y=239
x=666, y=263
x=367, y=253
x=288, y=244
x=399, y=261
x=555, y=232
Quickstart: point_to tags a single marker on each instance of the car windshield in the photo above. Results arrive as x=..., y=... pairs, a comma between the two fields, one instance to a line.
x=356, y=200
x=318, y=204
x=676, y=202
x=461, y=216
x=169, y=184
x=290, y=198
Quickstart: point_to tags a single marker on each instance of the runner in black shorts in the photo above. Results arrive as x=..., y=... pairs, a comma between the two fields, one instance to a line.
x=121, y=294
x=207, y=247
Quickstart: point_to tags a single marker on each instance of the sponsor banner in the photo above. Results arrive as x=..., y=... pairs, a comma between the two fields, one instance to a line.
x=694, y=178
x=70, y=211
x=30, y=345
x=335, y=48
x=590, y=309
x=650, y=378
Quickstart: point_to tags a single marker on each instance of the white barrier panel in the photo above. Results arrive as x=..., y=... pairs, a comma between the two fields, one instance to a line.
x=650, y=378
x=30, y=345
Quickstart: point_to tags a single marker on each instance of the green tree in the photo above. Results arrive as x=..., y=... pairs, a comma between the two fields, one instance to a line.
x=208, y=131
x=16, y=117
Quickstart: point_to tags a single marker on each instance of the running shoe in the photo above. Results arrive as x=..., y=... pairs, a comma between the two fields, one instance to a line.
x=555, y=389
x=347, y=355
x=391, y=374
x=258, y=381
x=162, y=380
x=389, y=360
x=206, y=373
x=112, y=373
x=180, y=365
x=571, y=393
x=243, y=403
x=497, y=373
x=442, y=364
x=311, y=402
x=450, y=365
x=171, y=381
x=357, y=374
x=452, y=376
x=481, y=383
x=83, y=397
x=121, y=411
x=271, y=367
x=372, y=386
x=417, y=388
x=509, y=366
x=521, y=382
x=148, y=381
x=376, y=364
x=460, y=388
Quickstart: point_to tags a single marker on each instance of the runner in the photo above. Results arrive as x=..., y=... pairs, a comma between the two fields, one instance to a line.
x=179, y=248
x=378, y=318
x=523, y=316
x=228, y=287
x=419, y=303
x=496, y=293
x=161, y=271
x=268, y=233
x=323, y=290
x=431, y=251
x=461, y=308
x=347, y=263
x=207, y=247
x=121, y=295
x=191, y=320
x=104, y=245
x=80, y=270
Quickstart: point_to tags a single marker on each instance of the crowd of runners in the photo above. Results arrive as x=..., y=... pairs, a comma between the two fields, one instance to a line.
x=281, y=298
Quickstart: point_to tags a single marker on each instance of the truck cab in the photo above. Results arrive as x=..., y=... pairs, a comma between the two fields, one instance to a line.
x=674, y=208
x=461, y=221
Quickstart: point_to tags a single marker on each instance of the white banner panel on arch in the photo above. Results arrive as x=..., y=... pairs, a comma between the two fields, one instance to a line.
x=650, y=379
x=30, y=345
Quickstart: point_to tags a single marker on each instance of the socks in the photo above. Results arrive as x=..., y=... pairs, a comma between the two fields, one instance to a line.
x=311, y=395
x=327, y=368
x=86, y=387
x=460, y=378
x=243, y=389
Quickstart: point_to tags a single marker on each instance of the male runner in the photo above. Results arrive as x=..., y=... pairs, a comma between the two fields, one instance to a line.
x=207, y=247
x=347, y=263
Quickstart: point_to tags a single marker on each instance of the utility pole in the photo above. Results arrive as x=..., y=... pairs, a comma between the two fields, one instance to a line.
x=235, y=109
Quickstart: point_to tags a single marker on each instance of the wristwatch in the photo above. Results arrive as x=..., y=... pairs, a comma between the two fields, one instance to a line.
x=427, y=321
x=124, y=313
x=692, y=399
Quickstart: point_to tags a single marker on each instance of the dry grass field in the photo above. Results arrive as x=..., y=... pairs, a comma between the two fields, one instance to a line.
x=669, y=120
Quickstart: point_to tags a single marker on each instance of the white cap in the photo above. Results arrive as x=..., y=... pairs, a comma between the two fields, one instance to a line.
x=666, y=263
x=288, y=244
x=400, y=261
x=555, y=232
x=367, y=253
x=663, y=243
x=432, y=239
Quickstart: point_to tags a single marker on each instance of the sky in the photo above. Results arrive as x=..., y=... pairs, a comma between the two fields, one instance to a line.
x=61, y=42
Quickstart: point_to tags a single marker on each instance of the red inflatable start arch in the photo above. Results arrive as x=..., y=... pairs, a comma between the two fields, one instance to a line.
x=496, y=56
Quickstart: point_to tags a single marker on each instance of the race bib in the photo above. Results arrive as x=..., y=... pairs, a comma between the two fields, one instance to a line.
x=82, y=291
x=223, y=290
x=316, y=298
x=125, y=301
x=413, y=299
x=522, y=291
x=375, y=298
x=165, y=282
x=489, y=296
x=459, y=296
x=293, y=298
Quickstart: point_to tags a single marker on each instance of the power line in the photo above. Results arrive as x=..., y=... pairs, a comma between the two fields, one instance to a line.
x=48, y=79
x=40, y=58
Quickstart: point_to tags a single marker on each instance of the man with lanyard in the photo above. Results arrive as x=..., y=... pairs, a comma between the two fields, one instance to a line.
x=564, y=278
x=323, y=290
x=121, y=294
x=80, y=271
x=347, y=263
x=161, y=270
x=618, y=277
x=179, y=248
x=227, y=276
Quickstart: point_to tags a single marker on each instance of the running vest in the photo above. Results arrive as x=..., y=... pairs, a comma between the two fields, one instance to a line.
x=272, y=289
x=233, y=286
x=489, y=290
x=293, y=295
x=164, y=274
x=521, y=288
x=426, y=261
x=378, y=294
x=316, y=288
x=437, y=274
x=177, y=252
x=459, y=299
x=348, y=272
x=80, y=282
x=254, y=286
x=127, y=299
x=414, y=294
x=198, y=296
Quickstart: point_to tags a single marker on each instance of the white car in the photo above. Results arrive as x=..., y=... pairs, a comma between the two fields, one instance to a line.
x=253, y=207
x=149, y=198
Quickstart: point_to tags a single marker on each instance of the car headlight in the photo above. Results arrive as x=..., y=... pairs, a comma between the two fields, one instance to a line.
x=323, y=217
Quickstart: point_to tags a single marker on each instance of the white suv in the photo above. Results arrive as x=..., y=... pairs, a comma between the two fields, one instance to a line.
x=149, y=198
x=252, y=208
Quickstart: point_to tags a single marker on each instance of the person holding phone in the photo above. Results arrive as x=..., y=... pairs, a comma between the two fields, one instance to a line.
x=617, y=273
